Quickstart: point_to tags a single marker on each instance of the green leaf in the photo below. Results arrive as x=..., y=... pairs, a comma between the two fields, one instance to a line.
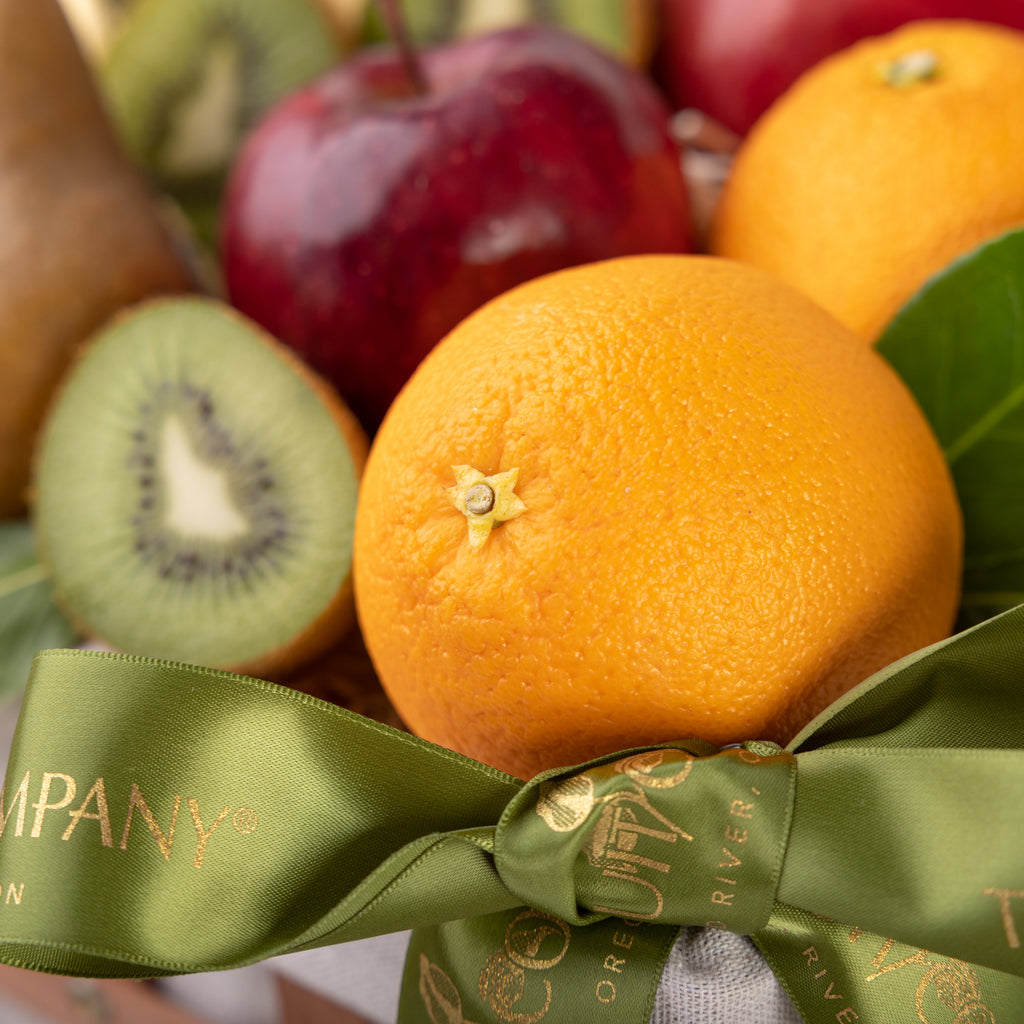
x=29, y=620
x=959, y=346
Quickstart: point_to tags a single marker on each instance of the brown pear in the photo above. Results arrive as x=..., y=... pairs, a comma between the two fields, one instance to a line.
x=81, y=236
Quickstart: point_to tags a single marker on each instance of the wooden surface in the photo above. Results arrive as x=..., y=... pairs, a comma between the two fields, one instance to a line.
x=88, y=1001
x=300, y=1006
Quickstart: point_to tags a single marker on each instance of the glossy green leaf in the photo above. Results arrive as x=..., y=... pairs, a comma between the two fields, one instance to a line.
x=959, y=346
x=29, y=620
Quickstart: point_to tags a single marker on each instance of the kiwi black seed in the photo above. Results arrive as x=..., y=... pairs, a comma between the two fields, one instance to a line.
x=185, y=79
x=196, y=491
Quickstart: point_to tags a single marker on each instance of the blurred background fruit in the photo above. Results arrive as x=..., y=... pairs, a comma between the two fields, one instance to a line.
x=625, y=28
x=880, y=166
x=734, y=511
x=184, y=81
x=82, y=237
x=733, y=58
x=365, y=218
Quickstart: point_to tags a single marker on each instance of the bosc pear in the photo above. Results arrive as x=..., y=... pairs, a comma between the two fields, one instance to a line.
x=80, y=235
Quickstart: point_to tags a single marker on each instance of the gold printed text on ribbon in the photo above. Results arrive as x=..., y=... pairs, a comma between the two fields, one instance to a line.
x=59, y=791
x=948, y=989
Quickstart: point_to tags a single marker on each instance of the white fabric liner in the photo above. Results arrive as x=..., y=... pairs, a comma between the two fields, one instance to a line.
x=715, y=977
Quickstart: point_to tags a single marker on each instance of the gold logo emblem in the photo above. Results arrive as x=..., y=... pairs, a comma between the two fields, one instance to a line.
x=440, y=996
x=534, y=941
x=626, y=819
x=955, y=984
x=567, y=804
x=643, y=768
x=958, y=987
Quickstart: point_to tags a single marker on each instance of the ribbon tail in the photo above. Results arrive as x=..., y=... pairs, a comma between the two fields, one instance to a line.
x=836, y=972
x=913, y=782
x=167, y=819
x=925, y=854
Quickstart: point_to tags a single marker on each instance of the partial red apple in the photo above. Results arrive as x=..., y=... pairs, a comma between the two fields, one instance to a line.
x=363, y=220
x=733, y=58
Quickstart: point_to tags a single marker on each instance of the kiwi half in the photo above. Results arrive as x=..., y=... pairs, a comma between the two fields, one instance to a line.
x=196, y=490
x=186, y=79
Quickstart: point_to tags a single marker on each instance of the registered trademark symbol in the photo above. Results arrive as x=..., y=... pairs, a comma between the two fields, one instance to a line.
x=245, y=820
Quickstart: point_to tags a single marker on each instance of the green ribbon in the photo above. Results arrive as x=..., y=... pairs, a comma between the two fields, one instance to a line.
x=163, y=819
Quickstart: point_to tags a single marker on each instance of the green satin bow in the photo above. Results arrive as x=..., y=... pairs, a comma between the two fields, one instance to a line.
x=160, y=818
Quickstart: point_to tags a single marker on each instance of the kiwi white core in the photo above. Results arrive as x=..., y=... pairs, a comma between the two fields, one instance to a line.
x=204, y=127
x=199, y=502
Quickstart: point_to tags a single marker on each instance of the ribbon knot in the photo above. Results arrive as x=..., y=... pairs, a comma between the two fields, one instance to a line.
x=682, y=834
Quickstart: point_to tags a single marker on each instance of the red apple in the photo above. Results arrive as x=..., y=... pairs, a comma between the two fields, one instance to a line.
x=363, y=220
x=733, y=58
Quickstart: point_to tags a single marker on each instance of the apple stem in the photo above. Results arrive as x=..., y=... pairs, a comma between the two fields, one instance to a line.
x=398, y=31
x=694, y=129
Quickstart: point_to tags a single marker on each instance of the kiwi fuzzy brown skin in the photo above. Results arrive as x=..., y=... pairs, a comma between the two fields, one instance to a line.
x=345, y=676
x=81, y=238
x=336, y=621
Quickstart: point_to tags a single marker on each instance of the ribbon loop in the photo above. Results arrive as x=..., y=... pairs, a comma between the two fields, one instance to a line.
x=681, y=834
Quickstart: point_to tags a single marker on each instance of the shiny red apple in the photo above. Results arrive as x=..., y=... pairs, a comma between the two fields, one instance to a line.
x=363, y=220
x=733, y=58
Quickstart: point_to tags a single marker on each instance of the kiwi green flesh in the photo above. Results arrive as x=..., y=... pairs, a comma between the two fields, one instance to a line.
x=185, y=79
x=195, y=496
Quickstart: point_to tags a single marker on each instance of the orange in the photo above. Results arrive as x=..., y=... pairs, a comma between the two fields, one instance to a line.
x=857, y=190
x=717, y=510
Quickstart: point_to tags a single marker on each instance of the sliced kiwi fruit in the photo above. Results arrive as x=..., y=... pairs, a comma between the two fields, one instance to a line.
x=625, y=28
x=186, y=79
x=195, y=493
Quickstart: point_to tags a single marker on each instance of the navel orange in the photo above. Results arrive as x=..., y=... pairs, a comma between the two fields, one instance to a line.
x=642, y=500
x=880, y=166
